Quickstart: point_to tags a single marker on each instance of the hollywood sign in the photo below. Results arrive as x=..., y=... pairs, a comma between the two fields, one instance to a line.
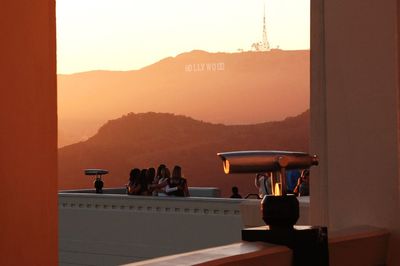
x=205, y=67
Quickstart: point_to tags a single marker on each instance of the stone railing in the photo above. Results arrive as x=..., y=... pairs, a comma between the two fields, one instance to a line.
x=210, y=192
x=111, y=229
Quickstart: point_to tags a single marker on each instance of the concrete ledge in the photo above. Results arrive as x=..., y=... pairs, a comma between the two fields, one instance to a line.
x=204, y=192
x=361, y=246
x=244, y=254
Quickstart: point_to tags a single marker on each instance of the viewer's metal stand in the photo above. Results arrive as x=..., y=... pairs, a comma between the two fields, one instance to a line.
x=280, y=211
x=98, y=182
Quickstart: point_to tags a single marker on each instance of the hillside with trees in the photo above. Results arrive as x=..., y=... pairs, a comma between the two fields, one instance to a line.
x=145, y=140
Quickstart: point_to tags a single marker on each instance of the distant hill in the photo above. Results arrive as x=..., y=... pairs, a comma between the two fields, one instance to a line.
x=148, y=139
x=228, y=88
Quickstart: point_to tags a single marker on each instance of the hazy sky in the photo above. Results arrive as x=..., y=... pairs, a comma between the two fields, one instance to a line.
x=130, y=34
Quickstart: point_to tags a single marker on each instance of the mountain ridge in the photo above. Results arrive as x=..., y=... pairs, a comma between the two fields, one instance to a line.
x=147, y=139
x=248, y=88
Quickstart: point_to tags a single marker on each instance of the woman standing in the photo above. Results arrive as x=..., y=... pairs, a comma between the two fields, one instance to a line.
x=160, y=181
x=302, y=187
x=134, y=187
x=177, y=185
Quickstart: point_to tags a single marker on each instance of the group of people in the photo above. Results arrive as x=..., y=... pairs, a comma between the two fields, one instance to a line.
x=149, y=182
x=296, y=183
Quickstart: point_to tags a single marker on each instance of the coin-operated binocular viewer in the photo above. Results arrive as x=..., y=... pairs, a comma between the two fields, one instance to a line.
x=98, y=182
x=280, y=211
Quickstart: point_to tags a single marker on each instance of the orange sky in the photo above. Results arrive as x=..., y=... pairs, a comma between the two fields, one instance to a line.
x=130, y=34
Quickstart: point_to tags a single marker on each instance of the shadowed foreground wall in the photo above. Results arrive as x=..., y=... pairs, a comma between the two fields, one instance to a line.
x=28, y=133
x=354, y=116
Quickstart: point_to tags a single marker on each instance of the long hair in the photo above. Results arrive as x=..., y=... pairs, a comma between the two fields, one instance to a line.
x=134, y=175
x=151, y=172
x=159, y=169
x=177, y=172
x=165, y=173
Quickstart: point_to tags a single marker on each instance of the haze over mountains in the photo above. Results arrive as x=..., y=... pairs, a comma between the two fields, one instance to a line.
x=235, y=88
x=148, y=139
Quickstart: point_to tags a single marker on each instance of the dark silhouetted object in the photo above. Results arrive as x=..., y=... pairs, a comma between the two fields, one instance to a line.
x=98, y=182
x=235, y=193
x=280, y=211
x=98, y=185
x=143, y=182
x=134, y=187
x=150, y=175
x=252, y=196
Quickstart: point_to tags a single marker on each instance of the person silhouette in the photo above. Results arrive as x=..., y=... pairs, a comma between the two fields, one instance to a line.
x=134, y=187
x=177, y=185
x=303, y=184
x=235, y=193
x=98, y=185
x=263, y=183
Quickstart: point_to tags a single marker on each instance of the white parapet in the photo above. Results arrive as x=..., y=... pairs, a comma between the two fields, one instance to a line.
x=113, y=229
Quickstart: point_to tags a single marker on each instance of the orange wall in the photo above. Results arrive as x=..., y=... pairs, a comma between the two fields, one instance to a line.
x=28, y=133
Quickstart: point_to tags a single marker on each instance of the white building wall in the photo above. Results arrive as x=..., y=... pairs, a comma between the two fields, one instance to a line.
x=115, y=229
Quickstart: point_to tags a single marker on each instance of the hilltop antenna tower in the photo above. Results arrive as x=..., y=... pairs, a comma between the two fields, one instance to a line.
x=265, y=43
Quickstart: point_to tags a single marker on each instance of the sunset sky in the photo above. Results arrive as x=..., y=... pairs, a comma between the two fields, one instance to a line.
x=130, y=34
